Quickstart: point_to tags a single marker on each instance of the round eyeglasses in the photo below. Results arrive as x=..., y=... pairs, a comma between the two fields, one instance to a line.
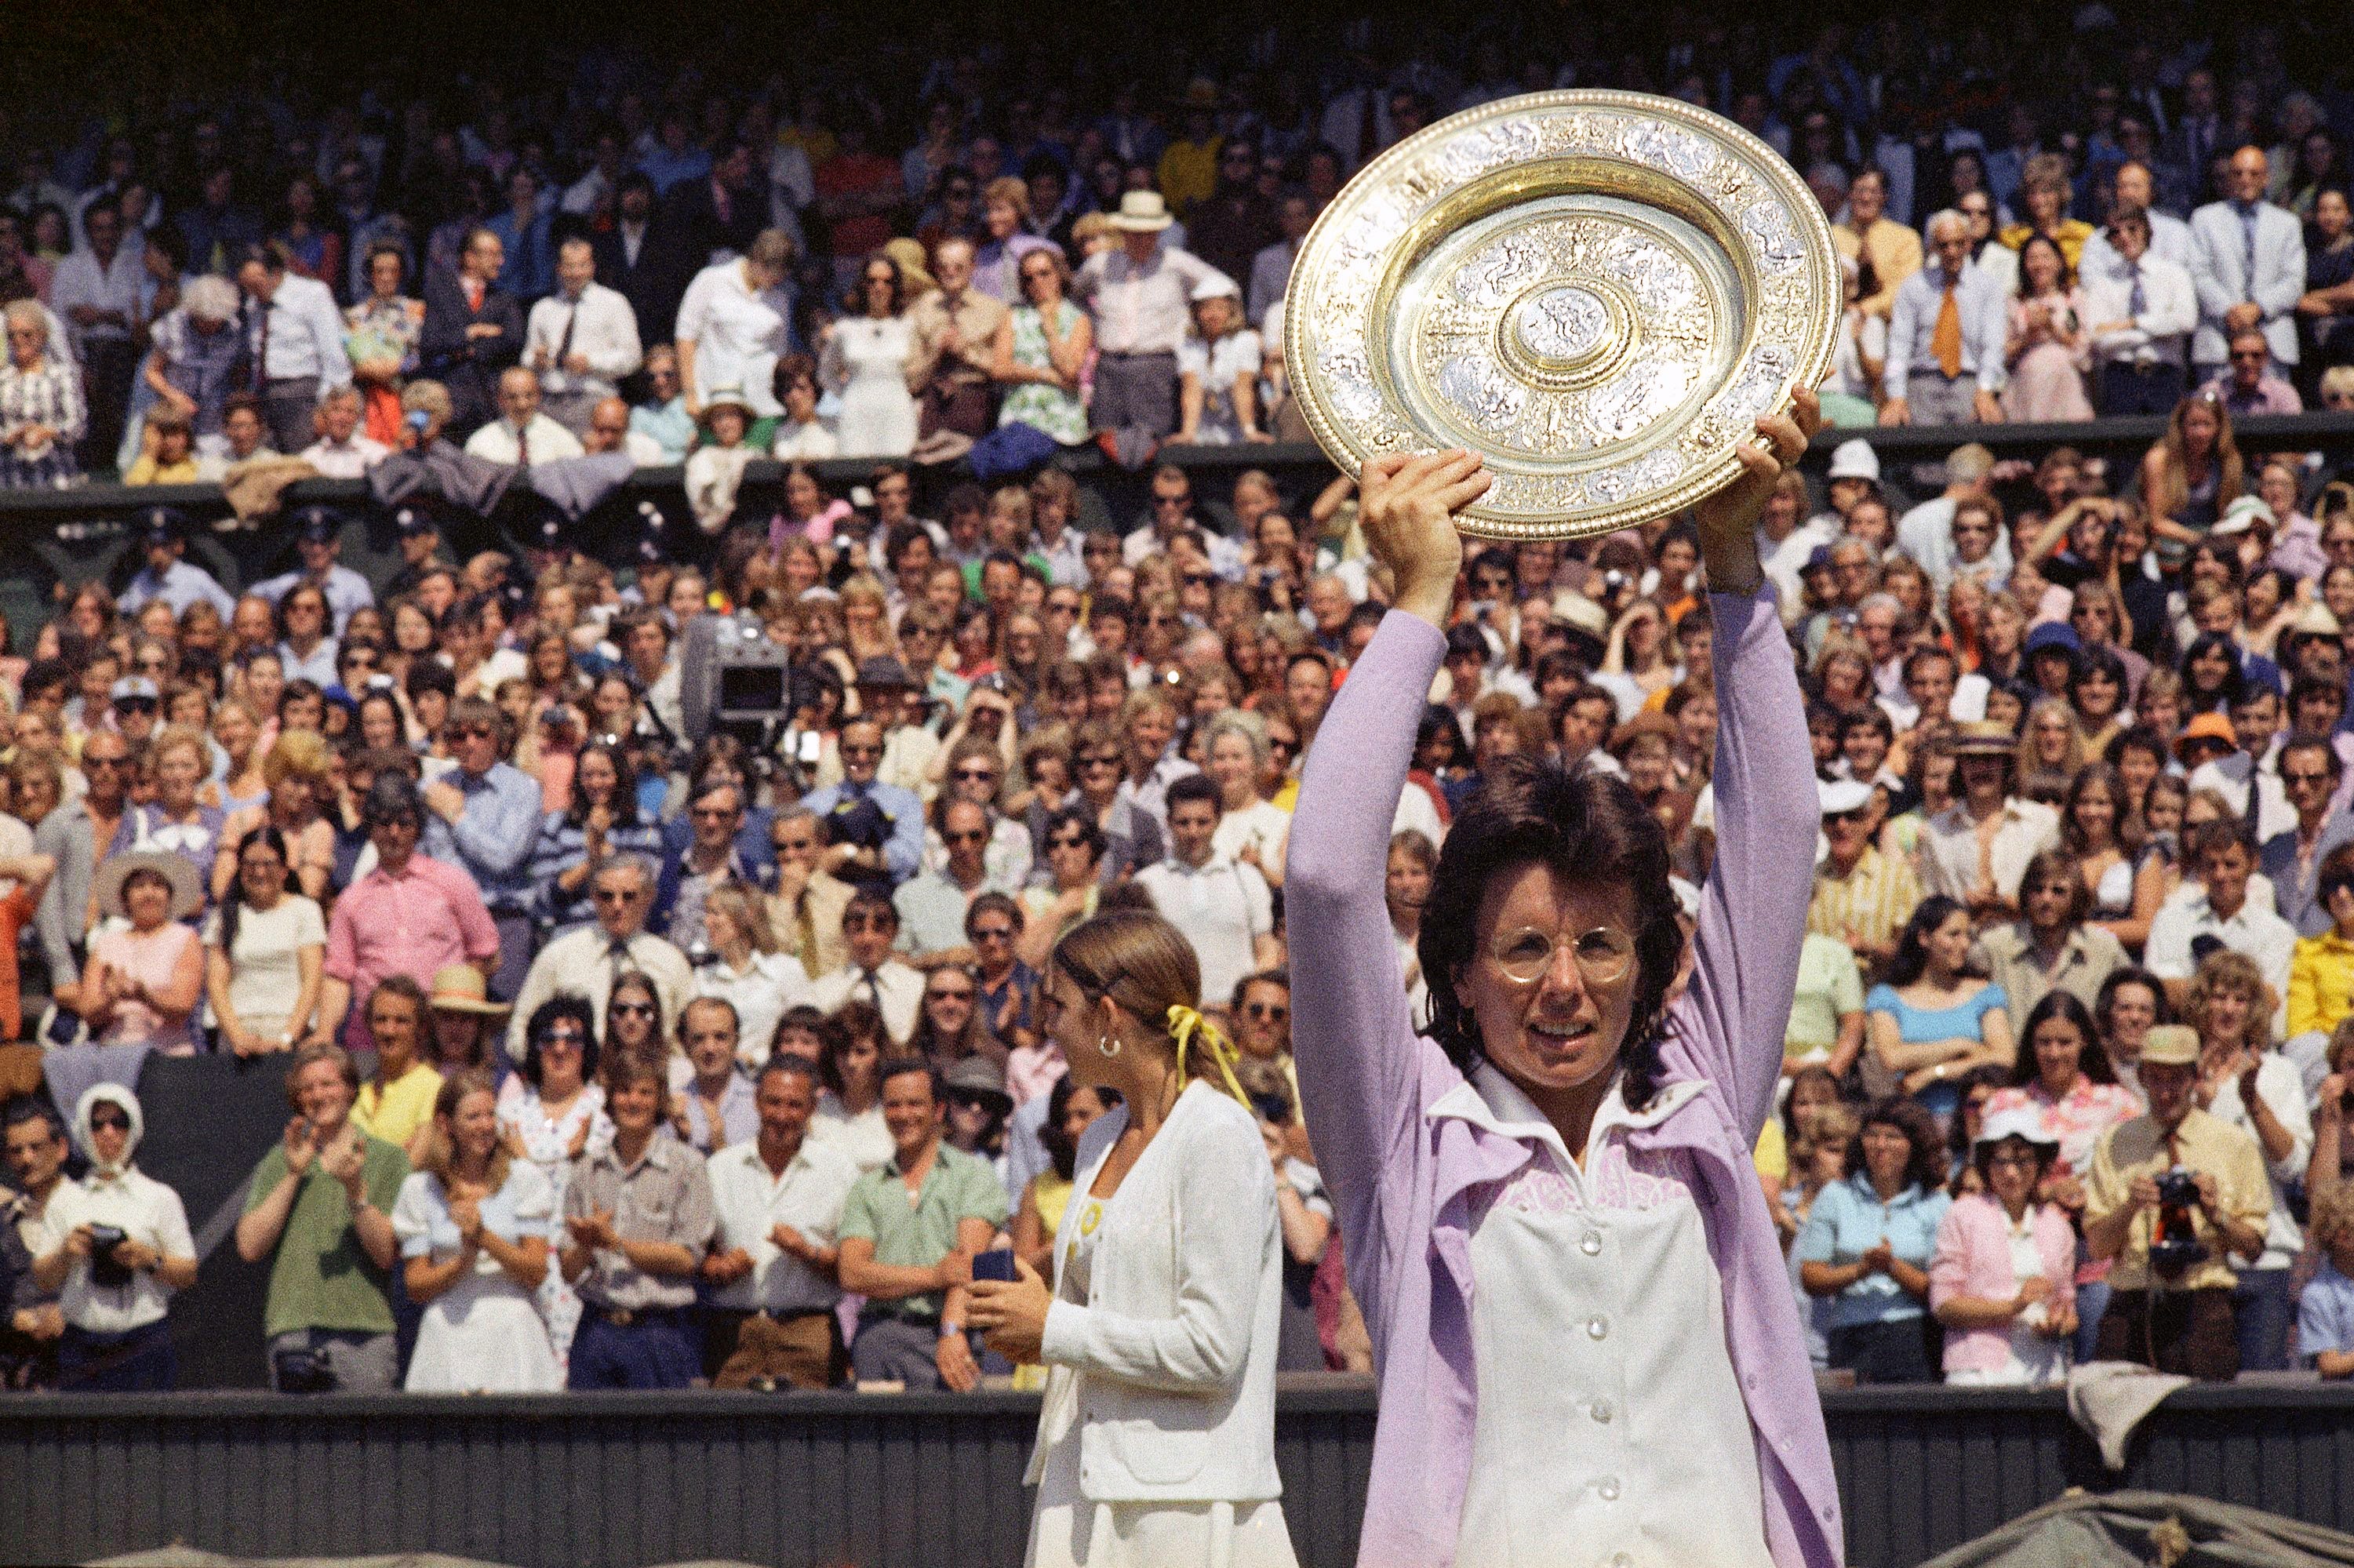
x=1525, y=955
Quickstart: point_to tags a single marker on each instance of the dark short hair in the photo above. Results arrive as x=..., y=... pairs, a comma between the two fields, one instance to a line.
x=800, y=1067
x=1193, y=787
x=1587, y=827
x=872, y=901
x=22, y=1109
x=393, y=798
x=900, y=1067
x=994, y=903
x=555, y=1010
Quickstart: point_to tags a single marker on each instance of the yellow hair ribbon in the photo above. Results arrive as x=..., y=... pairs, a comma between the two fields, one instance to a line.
x=1184, y=1023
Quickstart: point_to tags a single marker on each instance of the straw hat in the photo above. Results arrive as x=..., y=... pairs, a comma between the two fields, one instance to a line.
x=1142, y=212
x=188, y=892
x=460, y=987
x=1984, y=737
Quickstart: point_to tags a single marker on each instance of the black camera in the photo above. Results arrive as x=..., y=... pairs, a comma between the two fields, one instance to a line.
x=2178, y=1189
x=105, y=1270
x=302, y=1370
x=2174, y=1244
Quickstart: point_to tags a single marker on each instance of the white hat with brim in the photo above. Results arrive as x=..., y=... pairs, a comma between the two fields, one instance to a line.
x=459, y=988
x=1215, y=286
x=1142, y=212
x=2244, y=514
x=1855, y=459
x=1840, y=796
x=2022, y=1122
x=727, y=398
x=187, y=891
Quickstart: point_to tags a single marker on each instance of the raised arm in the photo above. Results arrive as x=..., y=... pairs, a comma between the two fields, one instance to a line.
x=1359, y=1061
x=1753, y=915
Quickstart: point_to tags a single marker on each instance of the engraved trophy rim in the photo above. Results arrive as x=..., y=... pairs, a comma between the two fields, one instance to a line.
x=1357, y=267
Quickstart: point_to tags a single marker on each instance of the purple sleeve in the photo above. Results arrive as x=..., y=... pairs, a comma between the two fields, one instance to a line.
x=1752, y=913
x=1359, y=1061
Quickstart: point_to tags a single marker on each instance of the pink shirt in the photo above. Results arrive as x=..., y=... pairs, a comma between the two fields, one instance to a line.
x=413, y=924
x=1030, y=1071
x=1973, y=1258
x=149, y=956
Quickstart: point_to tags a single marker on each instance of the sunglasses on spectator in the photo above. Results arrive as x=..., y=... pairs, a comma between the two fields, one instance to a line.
x=869, y=923
x=795, y=846
x=634, y=1009
x=1099, y=761
x=992, y=933
x=951, y=994
x=965, y=836
x=712, y=813
x=615, y=894
x=472, y=732
x=2297, y=780
x=115, y=1119
x=136, y=704
x=562, y=1036
x=1271, y=1012
x=967, y=775
x=850, y=750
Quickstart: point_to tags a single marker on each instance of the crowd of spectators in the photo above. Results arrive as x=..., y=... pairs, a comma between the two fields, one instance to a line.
x=602, y=1036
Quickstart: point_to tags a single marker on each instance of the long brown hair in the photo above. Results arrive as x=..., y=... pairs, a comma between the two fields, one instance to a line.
x=2174, y=471
x=440, y=1153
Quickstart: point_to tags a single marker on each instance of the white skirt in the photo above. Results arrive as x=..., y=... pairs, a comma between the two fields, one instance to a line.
x=1069, y=1531
x=484, y=1336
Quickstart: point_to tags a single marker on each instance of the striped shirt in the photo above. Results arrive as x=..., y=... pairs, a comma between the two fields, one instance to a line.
x=1872, y=901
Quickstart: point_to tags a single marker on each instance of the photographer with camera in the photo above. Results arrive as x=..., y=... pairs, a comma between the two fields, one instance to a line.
x=115, y=1246
x=2174, y=1197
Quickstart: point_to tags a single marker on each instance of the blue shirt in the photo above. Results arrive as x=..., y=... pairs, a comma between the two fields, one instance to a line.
x=667, y=426
x=346, y=592
x=739, y=1120
x=494, y=835
x=1964, y=1019
x=1912, y=326
x=180, y=587
x=903, y=852
x=2296, y=890
x=2325, y=1313
x=1848, y=1221
x=529, y=270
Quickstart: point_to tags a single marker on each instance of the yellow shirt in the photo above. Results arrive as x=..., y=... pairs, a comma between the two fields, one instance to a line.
x=1188, y=173
x=147, y=471
x=2203, y=1142
x=1895, y=252
x=394, y=1114
x=1773, y=1155
x=2320, y=983
x=1869, y=904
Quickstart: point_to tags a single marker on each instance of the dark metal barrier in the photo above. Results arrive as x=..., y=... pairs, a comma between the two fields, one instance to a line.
x=885, y=1481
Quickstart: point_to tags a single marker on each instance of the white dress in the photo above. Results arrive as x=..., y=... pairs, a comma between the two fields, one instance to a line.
x=482, y=1335
x=549, y=1146
x=866, y=362
x=1069, y=1531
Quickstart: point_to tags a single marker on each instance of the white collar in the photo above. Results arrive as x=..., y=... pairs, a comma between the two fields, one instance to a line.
x=1490, y=1101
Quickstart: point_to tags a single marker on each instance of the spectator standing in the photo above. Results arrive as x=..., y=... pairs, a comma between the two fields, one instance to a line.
x=1140, y=294
x=2248, y=264
x=779, y=1197
x=806, y=904
x=2140, y=318
x=2049, y=947
x=715, y=1102
x=587, y=961
x=319, y=1207
x=42, y=414
x=2246, y=1083
x=581, y=340
x=409, y=916
x=145, y=976
x=293, y=340
x=1976, y=849
x=473, y=329
x=2311, y=774
x=482, y=816
x=266, y=950
x=522, y=434
x=100, y=290
x=874, y=830
x=37, y=1151
x=2000, y=1279
x=909, y=1231
x=1868, y=1242
x=951, y=355
x=396, y=1103
x=2321, y=968
x=1222, y=907
x=637, y=1217
x=863, y=360
x=475, y=1224
x=1946, y=337
x=2171, y=1305
x=193, y=365
x=873, y=973
x=746, y=971
x=1869, y=235
x=551, y=1110
x=2045, y=348
x=2217, y=907
x=382, y=331
x=732, y=326
x=114, y=1297
x=1042, y=351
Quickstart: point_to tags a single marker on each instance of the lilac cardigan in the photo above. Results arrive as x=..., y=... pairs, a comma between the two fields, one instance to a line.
x=1973, y=1258
x=1403, y=1179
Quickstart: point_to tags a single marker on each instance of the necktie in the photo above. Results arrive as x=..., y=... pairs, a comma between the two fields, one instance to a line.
x=2140, y=301
x=1946, y=337
x=806, y=931
x=2248, y=234
x=564, y=344
x=617, y=956
x=261, y=348
x=523, y=448
x=873, y=993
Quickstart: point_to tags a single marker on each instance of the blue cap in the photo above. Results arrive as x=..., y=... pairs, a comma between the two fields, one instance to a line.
x=162, y=524
x=2053, y=634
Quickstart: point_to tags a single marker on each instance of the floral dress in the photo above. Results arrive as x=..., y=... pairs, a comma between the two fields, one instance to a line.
x=384, y=329
x=1035, y=403
x=548, y=1145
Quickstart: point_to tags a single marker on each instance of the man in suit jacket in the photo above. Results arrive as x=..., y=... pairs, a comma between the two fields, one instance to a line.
x=2248, y=261
x=474, y=330
x=719, y=212
x=638, y=259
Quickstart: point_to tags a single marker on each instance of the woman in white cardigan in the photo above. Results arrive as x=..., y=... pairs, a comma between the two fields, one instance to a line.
x=1156, y=1443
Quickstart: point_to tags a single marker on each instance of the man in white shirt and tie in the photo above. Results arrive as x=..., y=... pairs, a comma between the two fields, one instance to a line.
x=2248, y=264
x=584, y=963
x=2142, y=318
x=522, y=434
x=2133, y=185
x=1945, y=336
x=874, y=974
x=293, y=343
x=1142, y=294
x=582, y=339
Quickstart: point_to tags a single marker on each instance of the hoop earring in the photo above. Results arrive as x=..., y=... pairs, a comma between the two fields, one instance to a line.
x=1107, y=1045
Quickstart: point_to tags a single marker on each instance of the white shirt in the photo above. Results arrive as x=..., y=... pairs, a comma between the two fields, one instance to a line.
x=897, y=993
x=738, y=335
x=1949, y=845
x=1926, y=534
x=305, y=335
x=2169, y=240
x=604, y=330
x=2262, y=936
x=146, y=1212
x=750, y=1202
x=761, y=994
x=1785, y=563
x=1263, y=824
x=582, y=963
x=80, y=281
x=2160, y=333
x=1593, y=1426
x=2282, y=1088
x=543, y=441
x=1220, y=907
x=345, y=460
